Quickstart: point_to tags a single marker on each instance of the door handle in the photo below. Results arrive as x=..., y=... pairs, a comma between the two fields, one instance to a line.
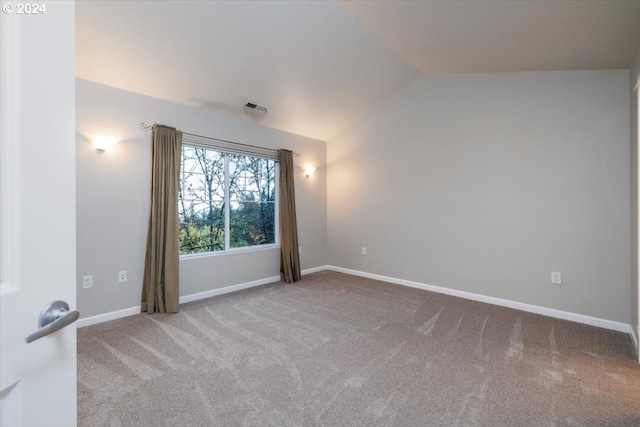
x=55, y=316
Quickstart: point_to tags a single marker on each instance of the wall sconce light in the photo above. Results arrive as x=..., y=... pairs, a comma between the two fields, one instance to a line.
x=309, y=170
x=103, y=142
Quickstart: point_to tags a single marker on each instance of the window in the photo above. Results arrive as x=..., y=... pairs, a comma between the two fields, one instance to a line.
x=225, y=200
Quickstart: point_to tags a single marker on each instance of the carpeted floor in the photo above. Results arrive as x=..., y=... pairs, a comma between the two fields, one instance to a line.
x=340, y=350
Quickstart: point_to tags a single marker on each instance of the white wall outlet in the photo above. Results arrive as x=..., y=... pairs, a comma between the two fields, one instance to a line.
x=87, y=282
x=556, y=278
x=300, y=250
x=122, y=276
x=364, y=251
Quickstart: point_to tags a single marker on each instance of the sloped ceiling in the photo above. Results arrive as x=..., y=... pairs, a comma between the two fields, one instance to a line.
x=489, y=36
x=319, y=66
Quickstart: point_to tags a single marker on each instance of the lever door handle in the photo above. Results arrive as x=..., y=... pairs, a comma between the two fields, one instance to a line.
x=55, y=316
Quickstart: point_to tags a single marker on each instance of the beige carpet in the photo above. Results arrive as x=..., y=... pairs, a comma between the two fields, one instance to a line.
x=339, y=350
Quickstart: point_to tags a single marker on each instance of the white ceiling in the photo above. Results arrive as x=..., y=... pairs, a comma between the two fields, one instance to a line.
x=319, y=66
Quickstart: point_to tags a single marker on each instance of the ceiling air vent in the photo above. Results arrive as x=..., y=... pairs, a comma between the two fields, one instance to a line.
x=252, y=106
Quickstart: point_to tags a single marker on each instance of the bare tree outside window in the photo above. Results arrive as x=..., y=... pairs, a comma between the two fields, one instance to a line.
x=205, y=176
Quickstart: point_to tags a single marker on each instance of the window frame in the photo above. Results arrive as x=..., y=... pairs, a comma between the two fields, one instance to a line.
x=226, y=149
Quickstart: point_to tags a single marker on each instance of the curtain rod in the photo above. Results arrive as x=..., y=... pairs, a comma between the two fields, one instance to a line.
x=146, y=127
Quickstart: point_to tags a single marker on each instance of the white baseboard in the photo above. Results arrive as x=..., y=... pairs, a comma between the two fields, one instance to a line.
x=551, y=312
x=241, y=286
x=580, y=318
x=315, y=269
x=105, y=317
x=228, y=289
x=113, y=315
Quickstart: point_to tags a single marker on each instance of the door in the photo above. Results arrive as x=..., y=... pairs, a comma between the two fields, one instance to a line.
x=636, y=187
x=37, y=211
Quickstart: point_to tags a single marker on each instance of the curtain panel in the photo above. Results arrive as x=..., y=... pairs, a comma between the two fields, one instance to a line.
x=160, y=287
x=289, y=256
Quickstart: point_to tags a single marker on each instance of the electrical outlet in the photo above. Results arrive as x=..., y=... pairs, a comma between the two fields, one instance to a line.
x=556, y=278
x=122, y=276
x=299, y=250
x=364, y=251
x=87, y=282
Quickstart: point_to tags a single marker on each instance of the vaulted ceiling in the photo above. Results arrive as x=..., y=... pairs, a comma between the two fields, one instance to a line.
x=318, y=66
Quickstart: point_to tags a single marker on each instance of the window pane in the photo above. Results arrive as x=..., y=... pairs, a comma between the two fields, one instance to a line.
x=201, y=201
x=252, y=200
x=252, y=223
x=202, y=230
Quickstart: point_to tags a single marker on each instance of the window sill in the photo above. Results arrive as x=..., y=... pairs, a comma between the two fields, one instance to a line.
x=232, y=251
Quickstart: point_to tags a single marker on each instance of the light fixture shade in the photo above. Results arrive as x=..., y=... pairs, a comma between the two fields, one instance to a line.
x=103, y=142
x=309, y=170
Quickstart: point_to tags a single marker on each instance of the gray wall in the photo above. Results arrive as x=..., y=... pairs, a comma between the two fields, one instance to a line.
x=487, y=183
x=113, y=197
x=635, y=70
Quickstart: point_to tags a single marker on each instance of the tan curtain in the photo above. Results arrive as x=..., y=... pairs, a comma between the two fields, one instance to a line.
x=289, y=258
x=160, y=283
